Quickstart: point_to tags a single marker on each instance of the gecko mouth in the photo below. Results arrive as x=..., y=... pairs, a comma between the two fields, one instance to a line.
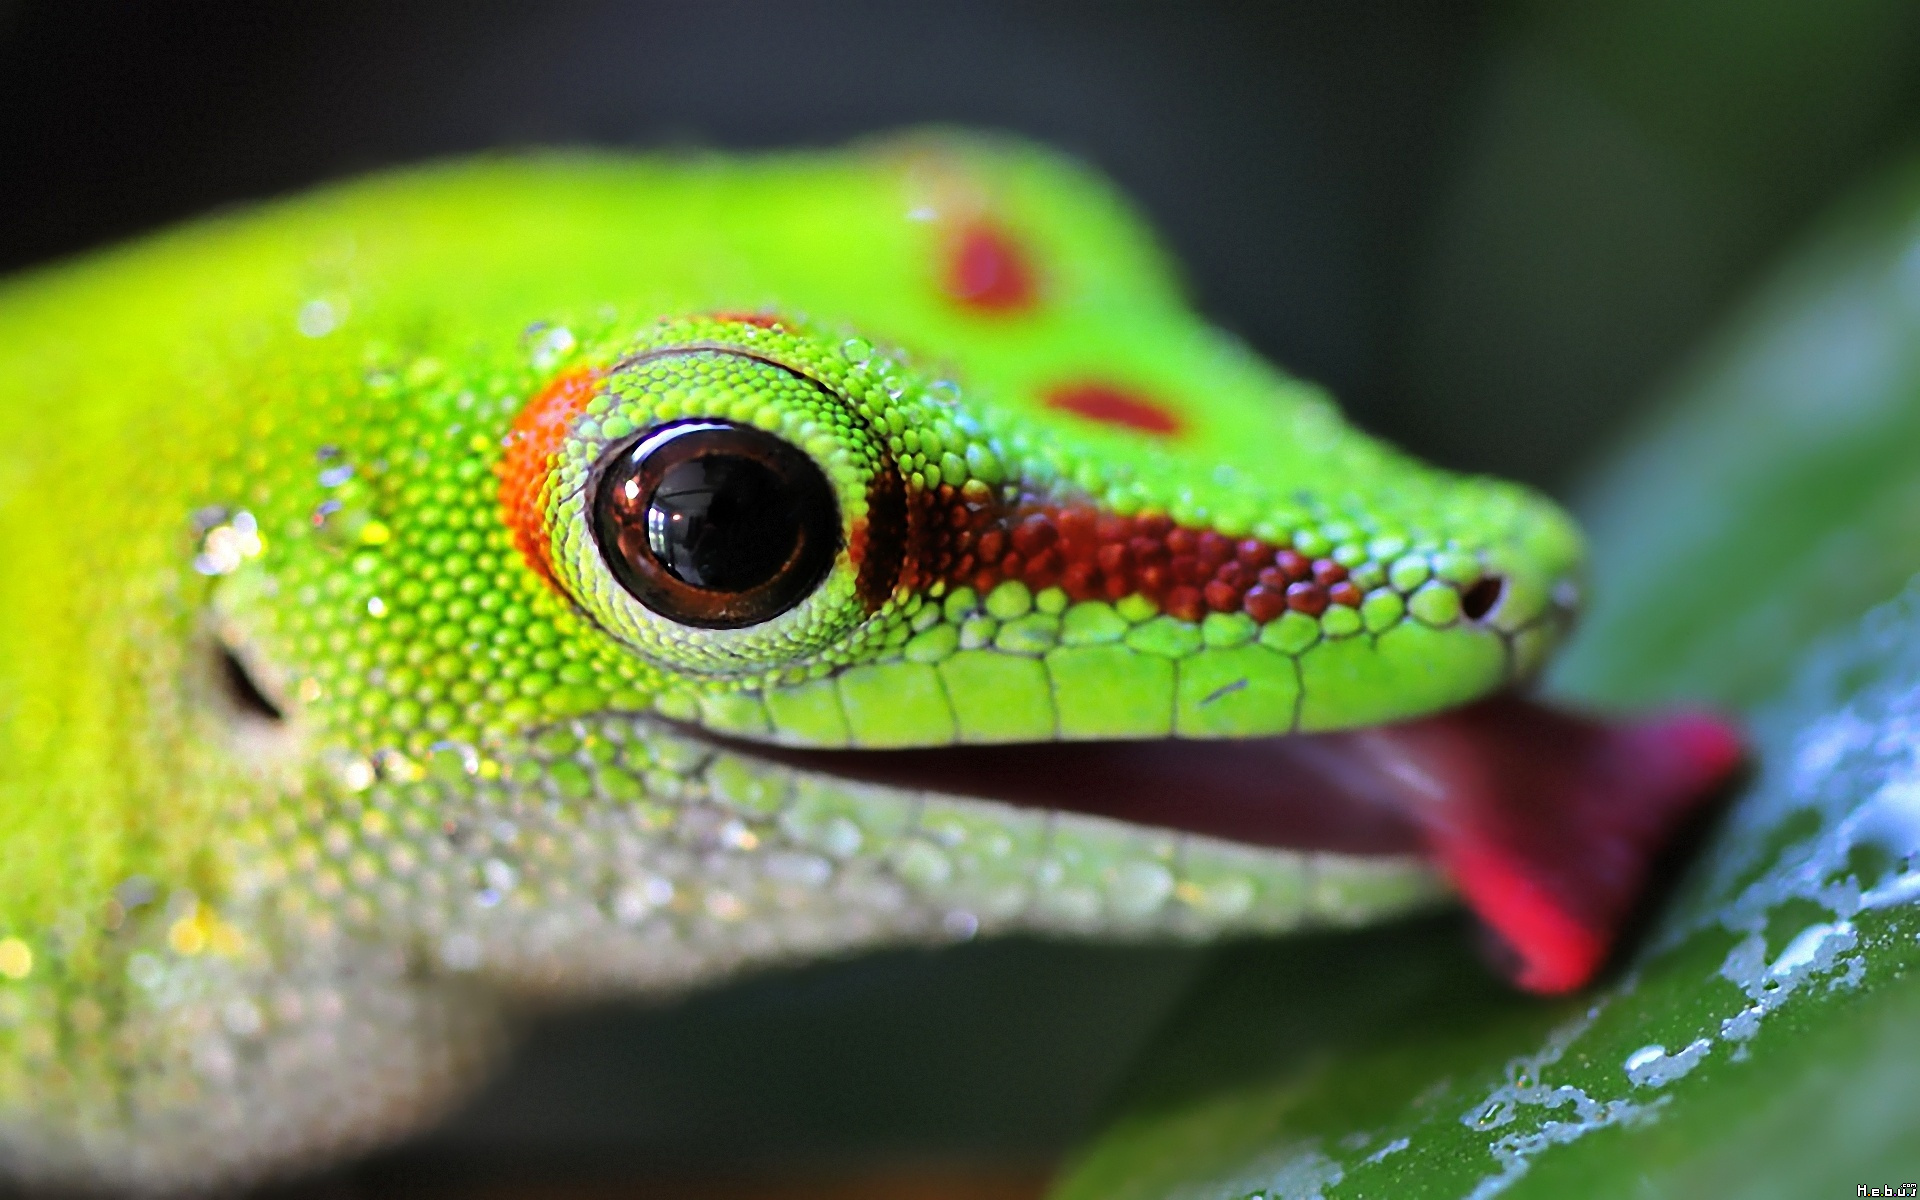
x=1547, y=822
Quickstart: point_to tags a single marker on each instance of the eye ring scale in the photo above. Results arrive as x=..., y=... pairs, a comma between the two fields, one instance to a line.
x=714, y=524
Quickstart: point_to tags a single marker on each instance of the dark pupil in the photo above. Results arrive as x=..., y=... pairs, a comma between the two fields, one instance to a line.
x=714, y=524
x=722, y=522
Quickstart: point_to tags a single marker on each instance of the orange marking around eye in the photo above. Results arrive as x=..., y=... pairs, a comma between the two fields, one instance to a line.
x=1112, y=405
x=525, y=468
x=759, y=319
x=989, y=271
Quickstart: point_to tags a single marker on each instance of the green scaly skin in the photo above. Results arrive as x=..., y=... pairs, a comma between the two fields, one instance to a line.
x=229, y=945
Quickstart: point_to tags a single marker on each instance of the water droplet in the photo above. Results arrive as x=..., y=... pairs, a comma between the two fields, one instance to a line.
x=640, y=898
x=1494, y=1115
x=1644, y=1055
x=318, y=318
x=1806, y=946
x=1138, y=889
x=840, y=837
x=549, y=345
x=1652, y=1066
x=499, y=875
x=229, y=544
x=357, y=774
x=922, y=865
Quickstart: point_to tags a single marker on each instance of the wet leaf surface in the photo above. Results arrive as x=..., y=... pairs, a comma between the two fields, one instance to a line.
x=1763, y=1041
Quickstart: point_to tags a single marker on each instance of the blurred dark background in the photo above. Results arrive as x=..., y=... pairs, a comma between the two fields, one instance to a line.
x=1492, y=229
x=1489, y=227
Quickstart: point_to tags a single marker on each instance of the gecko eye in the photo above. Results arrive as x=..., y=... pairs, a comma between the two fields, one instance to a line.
x=722, y=510
x=715, y=525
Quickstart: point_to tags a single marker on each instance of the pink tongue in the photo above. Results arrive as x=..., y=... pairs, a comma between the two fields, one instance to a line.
x=1548, y=822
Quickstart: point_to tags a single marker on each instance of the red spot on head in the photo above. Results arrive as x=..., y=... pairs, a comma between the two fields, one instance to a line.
x=988, y=270
x=524, y=469
x=1111, y=405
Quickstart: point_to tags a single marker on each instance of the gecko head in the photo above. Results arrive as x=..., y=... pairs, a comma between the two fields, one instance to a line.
x=819, y=546
x=410, y=650
x=1238, y=628
x=832, y=560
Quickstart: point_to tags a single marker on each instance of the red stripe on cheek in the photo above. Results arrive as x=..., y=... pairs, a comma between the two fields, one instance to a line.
x=525, y=468
x=1095, y=555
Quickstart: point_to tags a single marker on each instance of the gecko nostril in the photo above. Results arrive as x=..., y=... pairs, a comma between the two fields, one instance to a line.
x=246, y=695
x=1483, y=597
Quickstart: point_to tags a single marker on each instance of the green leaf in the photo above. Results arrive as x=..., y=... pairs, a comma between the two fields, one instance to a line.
x=1762, y=1040
x=1761, y=1046
x=1776, y=497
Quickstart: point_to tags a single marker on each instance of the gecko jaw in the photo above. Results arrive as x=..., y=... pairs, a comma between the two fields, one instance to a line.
x=1548, y=823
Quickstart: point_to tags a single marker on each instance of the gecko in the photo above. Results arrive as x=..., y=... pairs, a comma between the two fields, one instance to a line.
x=548, y=576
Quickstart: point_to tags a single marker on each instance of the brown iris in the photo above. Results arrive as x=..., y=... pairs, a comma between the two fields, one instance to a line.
x=714, y=524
